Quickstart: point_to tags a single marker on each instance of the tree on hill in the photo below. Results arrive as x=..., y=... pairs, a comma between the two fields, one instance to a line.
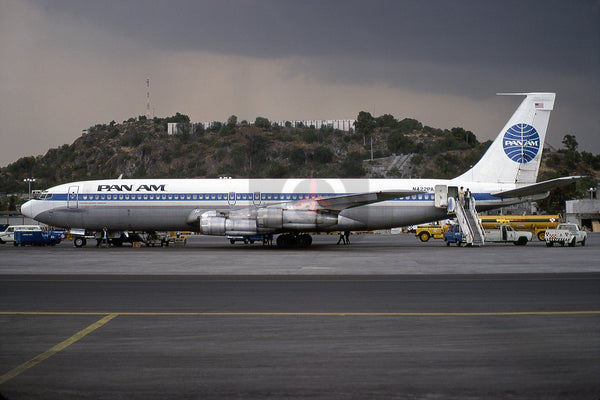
x=178, y=118
x=262, y=122
x=409, y=125
x=352, y=166
x=400, y=144
x=232, y=121
x=365, y=124
x=386, y=121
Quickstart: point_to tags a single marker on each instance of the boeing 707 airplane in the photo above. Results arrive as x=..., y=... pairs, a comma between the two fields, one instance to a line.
x=294, y=208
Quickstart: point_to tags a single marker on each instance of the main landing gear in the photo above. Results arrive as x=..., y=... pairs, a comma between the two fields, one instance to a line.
x=288, y=240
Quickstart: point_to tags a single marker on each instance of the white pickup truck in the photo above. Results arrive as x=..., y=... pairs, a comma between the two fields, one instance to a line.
x=506, y=233
x=565, y=233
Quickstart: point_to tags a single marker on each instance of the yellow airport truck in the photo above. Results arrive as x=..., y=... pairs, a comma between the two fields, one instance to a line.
x=538, y=224
x=428, y=231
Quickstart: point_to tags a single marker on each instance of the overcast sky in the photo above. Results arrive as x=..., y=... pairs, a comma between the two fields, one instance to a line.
x=66, y=65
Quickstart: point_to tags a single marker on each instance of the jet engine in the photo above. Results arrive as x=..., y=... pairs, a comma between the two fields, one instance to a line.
x=260, y=221
x=294, y=220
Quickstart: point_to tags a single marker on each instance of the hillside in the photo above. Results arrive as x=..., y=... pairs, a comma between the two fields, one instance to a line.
x=142, y=148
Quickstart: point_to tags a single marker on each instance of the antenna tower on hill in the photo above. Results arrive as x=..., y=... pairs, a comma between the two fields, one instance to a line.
x=148, y=115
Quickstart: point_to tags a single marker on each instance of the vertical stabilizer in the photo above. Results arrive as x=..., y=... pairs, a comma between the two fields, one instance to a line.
x=515, y=154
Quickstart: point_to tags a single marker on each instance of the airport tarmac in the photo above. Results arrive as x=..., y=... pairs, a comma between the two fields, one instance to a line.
x=387, y=317
x=367, y=254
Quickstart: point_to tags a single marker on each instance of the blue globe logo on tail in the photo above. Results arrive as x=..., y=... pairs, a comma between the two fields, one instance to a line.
x=521, y=143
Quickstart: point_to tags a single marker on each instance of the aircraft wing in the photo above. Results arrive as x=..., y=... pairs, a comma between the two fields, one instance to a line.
x=342, y=202
x=539, y=187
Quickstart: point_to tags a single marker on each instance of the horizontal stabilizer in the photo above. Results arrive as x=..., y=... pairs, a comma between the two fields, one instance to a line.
x=339, y=203
x=539, y=187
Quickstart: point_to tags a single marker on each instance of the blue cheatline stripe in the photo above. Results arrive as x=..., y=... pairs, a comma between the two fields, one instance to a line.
x=229, y=197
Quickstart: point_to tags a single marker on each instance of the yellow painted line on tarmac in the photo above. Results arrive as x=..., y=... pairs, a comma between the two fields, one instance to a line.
x=61, y=346
x=110, y=316
x=304, y=314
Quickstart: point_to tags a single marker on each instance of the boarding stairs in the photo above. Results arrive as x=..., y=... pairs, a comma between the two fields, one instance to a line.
x=469, y=222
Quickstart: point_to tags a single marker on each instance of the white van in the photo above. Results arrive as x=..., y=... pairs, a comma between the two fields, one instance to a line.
x=9, y=234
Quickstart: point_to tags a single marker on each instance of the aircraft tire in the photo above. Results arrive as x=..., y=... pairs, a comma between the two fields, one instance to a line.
x=283, y=241
x=305, y=240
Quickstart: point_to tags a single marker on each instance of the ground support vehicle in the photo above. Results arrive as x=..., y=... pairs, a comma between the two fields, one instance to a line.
x=506, y=233
x=38, y=238
x=427, y=231
x=538, y=224
x=454, y=235
x=8, y=235
x=116, y=239
x=159, y=239
x=566, y=234
x=251, y=239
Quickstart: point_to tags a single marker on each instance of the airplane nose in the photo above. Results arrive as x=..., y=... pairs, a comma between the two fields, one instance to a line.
x=27, y=209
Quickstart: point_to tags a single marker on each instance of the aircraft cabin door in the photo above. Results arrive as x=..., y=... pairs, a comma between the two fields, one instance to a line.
x=231, y=199
x=441, y=196
x=73, y=197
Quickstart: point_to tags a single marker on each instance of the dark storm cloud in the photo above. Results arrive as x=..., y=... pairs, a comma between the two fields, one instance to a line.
x=553, y=35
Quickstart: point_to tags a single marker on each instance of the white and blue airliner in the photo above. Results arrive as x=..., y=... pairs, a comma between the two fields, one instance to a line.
x=294, y=208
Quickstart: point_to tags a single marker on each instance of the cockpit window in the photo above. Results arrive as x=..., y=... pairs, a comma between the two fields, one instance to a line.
x=44, y=195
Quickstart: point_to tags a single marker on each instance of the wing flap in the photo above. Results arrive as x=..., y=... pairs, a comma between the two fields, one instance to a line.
x=539, y=187
x=342, y=202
